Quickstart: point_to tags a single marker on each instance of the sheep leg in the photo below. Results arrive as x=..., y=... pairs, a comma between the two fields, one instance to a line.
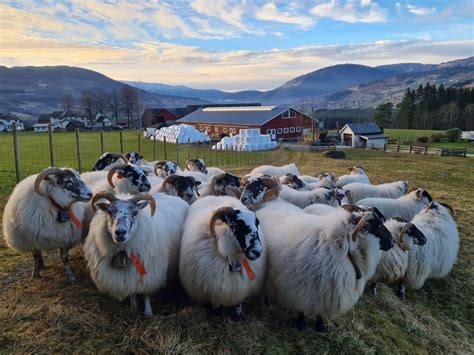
x=37, y=265
x=148, y=311
x=71, y=276
x=238, y=315
x=134, y=302
x=320, y=327
x=373, y=287
x=300, y=322
x=216, y=310
x=401, y=291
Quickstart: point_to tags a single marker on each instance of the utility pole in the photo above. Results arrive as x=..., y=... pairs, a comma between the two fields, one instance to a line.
x=312, y=121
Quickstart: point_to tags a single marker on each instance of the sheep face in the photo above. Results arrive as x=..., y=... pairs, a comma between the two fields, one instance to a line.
x=253, y=192
x=134, y=157
x=121, y=218
x=196, y=165
x=327, y=180
x=184, y=187
x=166, y=168
x=226, y=185
x=292, y=181
x=244, y=226
x=437, y=209
x=343, y=196
x=357, y=170
x=66, y=187
x=410, y=236
x=131, y=179
x=422, y=195
x=374, y=227
x=105, y=160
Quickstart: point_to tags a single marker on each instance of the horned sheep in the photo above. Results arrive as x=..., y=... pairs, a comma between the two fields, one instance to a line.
x=355, y=174
x=222, y=260
x=276, y=170
x=42, y=214
x=360, y=191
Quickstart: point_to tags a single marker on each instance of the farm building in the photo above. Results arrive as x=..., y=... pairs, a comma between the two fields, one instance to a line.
x=280, y=122
x=7, y=120
x=363, y=135
x=159, y=117
x=467, y=135
x=41, y=127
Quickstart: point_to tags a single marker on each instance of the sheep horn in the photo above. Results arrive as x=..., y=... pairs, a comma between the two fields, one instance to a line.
x=195, y=185
x=103, y=194
x=356, y=266
x=222, y=211
x=159, y=165
x=171, y=179
x=41, y=176
x=359, y=227
x=142, y=197
x=111, y=173
x=123, y=157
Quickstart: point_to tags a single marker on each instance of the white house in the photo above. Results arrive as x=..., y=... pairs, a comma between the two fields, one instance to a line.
x=7, y=120
x=467, y=135
x=363, y=135
x=41, y=127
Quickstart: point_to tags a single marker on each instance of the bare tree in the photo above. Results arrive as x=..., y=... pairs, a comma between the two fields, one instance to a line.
x=129, y=99
x=89, y=105
x=115, y=105
x=102, y=100
x=68, y=103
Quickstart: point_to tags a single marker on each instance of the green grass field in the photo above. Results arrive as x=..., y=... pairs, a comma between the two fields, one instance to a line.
x=50, y=316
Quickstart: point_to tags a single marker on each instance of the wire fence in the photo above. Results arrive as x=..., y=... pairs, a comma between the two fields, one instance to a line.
x=26, y=153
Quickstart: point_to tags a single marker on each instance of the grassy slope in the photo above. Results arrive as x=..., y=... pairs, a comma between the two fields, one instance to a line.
x=51, y=316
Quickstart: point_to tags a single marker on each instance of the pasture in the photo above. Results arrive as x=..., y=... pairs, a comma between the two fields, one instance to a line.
x=49, y=315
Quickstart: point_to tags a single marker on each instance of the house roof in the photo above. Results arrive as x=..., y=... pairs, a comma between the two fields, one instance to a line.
x=74, y=123
x=40, y=125
x=364, y=128
x=239, y=115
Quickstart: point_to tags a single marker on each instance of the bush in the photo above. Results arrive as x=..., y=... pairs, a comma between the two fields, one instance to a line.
x=453, y=134
x=437, y=137
x=423, y=140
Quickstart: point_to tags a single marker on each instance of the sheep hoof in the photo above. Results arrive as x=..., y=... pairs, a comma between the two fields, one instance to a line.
x=320, y=327
x=148, y=314
x=238, y=313
x=401, y=292
x=300, y=322
x=35, y=275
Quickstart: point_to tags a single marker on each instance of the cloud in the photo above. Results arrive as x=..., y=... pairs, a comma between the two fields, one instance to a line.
x=421, y=11
x=350, y=11
x=231, y=14
x=270, y=12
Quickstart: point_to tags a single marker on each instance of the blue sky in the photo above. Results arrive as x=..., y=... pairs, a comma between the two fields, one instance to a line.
x=231, y=44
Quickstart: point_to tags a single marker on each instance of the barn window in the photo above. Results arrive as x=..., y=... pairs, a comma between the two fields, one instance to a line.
x=232, y=130
x=298, y=129
x=226, y=129
x=280, y=131
x=292, y=129
x=289, y=114
x=207, y=129
x=216, y=129
x=285, y=130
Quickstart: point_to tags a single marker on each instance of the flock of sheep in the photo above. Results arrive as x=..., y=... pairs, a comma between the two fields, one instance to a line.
x=311, y=244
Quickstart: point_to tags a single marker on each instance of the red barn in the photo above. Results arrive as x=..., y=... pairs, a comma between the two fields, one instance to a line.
x=281, y=122
x=158, y=117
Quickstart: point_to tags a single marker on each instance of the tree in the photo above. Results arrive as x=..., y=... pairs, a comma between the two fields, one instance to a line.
x=115, y=105
x=89, y=105
x=383, y=115
x=129, y=99
x=68, y=103
x=102, y=100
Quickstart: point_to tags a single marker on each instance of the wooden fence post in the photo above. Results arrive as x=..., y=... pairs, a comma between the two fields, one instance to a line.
x=409, y=152
x=78, y=149
x=398, y=147
x=189, y=140
x=164, y=147
x=121, y=142
x=465, y=152
x=154, y=148
x=177, y=151
x=101, y=142
x=51, y=145
x=426, y=149
x=210, y=153
x=16, y=149
x=139, y=144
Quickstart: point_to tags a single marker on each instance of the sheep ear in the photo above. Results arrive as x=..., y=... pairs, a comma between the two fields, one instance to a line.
x=103, y=206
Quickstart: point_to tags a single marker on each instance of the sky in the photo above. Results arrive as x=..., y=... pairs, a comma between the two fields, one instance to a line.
x=231, y=44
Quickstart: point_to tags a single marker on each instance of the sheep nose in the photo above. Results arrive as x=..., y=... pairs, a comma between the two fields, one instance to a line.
x=120, y=235
x=254, y=254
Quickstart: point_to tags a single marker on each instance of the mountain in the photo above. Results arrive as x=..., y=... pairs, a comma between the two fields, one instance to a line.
x=392, y=88
x=35, y=90
x=403, y=68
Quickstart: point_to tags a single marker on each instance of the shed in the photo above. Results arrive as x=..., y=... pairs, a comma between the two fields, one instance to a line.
x=363, y=135
x=280, y=122
x=40, y=127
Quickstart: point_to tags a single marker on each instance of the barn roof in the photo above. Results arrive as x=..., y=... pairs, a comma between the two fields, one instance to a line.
x=239, y=115
x=364, y=128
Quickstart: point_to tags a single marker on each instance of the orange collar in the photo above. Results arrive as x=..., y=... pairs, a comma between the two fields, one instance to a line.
x=73, y=217
x=248, y=269
x=138, y=264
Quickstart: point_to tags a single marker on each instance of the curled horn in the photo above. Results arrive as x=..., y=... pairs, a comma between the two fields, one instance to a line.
x=103, y=194
x=123, y=157
x=359, y=227
x=229, y=211
x=42, y=175
x=356, y=266
x=169, y=180
x=111, y=173
x=159, y=165
x=142, y=197
x=195, y=185
x=450, y=209
x=273, y=186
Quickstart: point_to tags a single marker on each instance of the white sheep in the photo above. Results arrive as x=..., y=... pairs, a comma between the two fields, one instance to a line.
x=303, y=199
x=276, y=170
x=164, y=168
x=320, y=265
x=222, y=185
x=437, y=257
x=405, y=207
x=222, y=259
x=185, y=187
x=322, y=180
x=108, y=160
x=393, y=263
x=360, y=191
x=355, y=174
x=42, y=214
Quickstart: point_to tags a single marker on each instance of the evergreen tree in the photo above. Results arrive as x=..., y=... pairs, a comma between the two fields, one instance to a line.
x=383, y=115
